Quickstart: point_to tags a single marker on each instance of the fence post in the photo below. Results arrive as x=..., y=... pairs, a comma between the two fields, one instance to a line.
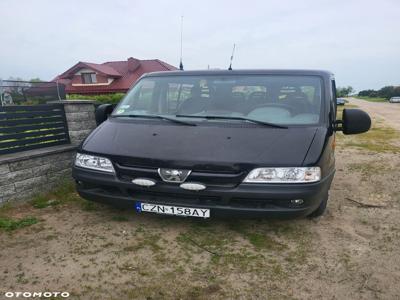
x=80, y=118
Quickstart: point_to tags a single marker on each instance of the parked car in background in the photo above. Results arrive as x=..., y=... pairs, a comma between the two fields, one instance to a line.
x=394, y=100
x=207, y=143
x=340, y=101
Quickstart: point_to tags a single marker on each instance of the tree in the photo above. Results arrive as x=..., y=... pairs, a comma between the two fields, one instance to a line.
x=37, y=79
x=386, y=92
x=367, y=93
x=396, y=91
x=344, y=91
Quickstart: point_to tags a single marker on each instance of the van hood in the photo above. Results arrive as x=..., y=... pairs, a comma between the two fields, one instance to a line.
x=212, y=146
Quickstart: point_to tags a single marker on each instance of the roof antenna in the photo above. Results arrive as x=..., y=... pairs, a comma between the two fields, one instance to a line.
x=233, y=52
x=180, y=63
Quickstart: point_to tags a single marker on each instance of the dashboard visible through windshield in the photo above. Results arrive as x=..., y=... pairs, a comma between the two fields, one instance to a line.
x=274, y=99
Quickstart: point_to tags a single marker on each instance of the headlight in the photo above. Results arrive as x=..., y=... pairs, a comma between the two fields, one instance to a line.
x=284, y=175
x=94, y=162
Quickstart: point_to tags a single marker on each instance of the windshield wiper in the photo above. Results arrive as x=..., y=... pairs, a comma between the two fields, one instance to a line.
x=161, y=117
x=234, y=118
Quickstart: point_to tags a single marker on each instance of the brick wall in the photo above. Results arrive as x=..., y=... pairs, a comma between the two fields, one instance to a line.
x=80, y=118
x=23, y=176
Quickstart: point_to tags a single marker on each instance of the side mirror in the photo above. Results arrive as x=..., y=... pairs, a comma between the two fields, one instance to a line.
x=355, y=121
x=102, y=112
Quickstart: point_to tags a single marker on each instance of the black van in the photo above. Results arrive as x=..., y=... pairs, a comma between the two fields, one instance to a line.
x=208, y=143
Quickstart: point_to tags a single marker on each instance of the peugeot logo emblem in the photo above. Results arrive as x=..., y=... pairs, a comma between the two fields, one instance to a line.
x=173, y=175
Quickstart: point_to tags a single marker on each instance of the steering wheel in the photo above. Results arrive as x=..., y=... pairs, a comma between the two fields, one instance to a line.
x=279, y=105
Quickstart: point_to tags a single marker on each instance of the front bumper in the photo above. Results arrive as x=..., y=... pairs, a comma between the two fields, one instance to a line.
x=244, y=200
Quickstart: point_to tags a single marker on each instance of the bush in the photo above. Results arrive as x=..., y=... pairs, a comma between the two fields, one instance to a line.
x=386, y=92
x=103, y=98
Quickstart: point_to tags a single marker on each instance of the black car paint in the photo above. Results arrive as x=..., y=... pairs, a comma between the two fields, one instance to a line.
x=220, y=155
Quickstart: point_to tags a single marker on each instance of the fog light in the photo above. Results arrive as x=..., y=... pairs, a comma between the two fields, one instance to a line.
x=144, y=182
x=297, y=201
x=192, y=186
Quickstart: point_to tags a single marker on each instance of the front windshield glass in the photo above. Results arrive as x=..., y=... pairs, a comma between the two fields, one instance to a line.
x=278, y=99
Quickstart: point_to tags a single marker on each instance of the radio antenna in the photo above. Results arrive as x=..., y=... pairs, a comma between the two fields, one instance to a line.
x=180, y=62
x=233, y=52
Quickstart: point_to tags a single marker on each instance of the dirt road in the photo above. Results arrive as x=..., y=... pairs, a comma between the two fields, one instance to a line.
x=97, y=252
x=389, y=112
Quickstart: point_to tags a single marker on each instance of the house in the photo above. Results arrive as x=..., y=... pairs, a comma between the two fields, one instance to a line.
x=108, y=77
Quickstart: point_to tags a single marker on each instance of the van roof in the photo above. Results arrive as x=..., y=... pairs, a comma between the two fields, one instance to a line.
x=323, y=73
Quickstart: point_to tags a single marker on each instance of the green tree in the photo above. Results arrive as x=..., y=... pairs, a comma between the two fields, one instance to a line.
x=368, y=93
x=36, y=79
x=344, y=91
x=386, y=92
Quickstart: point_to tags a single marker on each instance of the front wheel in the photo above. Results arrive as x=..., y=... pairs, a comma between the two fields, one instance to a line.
x=320, y=210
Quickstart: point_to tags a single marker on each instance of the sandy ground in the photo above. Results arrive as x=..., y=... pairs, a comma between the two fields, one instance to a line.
x=390, y=112
x=97, y=252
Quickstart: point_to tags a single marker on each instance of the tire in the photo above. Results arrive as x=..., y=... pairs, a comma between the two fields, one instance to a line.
x=320, y=210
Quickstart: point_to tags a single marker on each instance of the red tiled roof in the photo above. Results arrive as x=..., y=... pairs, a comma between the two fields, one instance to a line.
x=101, y=68
x=119, y=70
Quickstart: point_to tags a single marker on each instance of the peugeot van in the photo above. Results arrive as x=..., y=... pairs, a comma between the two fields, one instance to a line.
x=245, y=143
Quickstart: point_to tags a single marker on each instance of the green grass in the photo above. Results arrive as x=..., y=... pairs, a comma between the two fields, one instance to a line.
x=42, y=201
x=370, y=168
x=264, y=241
x=119, y=218
x=149, y=241
x=372, y=99
x=89, y=205
x=9, y=224
x=377, y=139
x=64, y=193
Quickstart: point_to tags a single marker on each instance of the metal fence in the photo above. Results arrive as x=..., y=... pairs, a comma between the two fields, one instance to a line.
x=31, y=127
x=15, y=92
x=26, y=121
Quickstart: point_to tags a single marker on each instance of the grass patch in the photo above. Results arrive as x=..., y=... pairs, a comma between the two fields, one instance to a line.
x=260, y=247
x=120, y=218
x=378, y=139
x=9, y=224
x=5, y=208
x=41, y=201
x=64, y=193
x=149, y=241
x=372, y=99
x=203, y=237
x=370, y=169
x=263, y=241
x=89, y=205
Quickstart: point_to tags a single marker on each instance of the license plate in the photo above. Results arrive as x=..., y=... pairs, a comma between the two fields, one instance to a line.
x=173, y=210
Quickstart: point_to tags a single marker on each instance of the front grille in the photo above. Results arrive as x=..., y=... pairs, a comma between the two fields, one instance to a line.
x=209, y=178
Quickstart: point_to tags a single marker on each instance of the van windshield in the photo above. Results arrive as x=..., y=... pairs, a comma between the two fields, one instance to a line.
x=276, y=99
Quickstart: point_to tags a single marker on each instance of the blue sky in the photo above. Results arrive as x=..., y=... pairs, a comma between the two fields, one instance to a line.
x=357, y=40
